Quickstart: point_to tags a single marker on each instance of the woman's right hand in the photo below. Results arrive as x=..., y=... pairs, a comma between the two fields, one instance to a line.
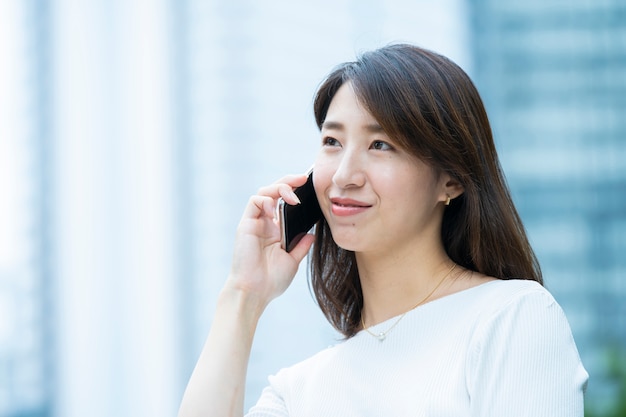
x=261, y=268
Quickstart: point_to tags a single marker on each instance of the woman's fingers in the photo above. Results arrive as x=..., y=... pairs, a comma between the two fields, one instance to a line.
x=259, y=216
x=284, y=188
x=293, y=180
x=259, y=206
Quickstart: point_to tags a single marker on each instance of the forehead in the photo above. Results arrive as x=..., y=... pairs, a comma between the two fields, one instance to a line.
x=346, y=109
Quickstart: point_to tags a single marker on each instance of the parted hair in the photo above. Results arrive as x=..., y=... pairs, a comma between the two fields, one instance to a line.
x=429, y=106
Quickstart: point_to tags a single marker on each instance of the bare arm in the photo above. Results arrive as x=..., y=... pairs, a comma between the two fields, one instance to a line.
x=260, y=272
x=216, y=387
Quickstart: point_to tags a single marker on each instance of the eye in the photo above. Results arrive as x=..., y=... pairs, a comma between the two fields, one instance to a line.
x=328, y=141
x=380, y=145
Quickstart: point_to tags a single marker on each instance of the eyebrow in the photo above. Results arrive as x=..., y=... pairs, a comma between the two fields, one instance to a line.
x=331, y=125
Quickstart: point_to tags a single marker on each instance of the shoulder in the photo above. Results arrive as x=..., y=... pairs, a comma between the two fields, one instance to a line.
x=513, y=304
x=513, y=287
x=506, y=305
x=521, y=316
x=523, y=341
x=502, y=294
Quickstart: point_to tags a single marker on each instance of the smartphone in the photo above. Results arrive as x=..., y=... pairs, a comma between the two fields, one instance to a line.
x=296, y=221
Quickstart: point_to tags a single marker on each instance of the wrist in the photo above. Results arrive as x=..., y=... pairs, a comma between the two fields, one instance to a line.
x=242, y=302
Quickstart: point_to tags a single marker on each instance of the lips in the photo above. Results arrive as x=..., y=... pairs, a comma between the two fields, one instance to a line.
x=348, y=206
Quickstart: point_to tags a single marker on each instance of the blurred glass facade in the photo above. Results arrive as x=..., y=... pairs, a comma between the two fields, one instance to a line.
x=25, y=309
x=553, y=77
x=132, y=134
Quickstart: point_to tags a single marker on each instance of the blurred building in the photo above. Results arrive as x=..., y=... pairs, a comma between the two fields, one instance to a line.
x=25, y=286
x=136, y=131
x=553, y=77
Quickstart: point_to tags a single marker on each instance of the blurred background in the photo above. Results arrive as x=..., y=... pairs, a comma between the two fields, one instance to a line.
x=132, y=133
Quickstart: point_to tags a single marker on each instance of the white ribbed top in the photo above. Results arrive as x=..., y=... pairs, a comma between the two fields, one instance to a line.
x=503, y=348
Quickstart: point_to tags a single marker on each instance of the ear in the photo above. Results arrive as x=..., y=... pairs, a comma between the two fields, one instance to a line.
x=451, y=189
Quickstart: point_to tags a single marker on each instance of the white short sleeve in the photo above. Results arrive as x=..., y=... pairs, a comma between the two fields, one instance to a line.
x=523, y=362
x=270, y=404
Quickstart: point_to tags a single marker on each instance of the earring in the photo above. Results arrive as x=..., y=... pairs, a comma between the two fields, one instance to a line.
x=447, y=202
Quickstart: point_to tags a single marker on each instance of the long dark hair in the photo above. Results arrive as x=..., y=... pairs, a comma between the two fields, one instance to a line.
x=431, y=108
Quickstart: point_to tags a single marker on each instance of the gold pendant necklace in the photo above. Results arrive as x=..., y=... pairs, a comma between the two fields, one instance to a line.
x=383, y=335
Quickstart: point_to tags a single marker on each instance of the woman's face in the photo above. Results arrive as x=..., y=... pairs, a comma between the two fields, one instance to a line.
x=374, y=195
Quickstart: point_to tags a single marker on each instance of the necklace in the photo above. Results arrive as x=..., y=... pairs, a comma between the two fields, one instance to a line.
x=382, y=335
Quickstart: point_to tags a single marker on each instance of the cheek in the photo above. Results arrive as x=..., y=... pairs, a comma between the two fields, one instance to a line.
x=323, y=171
x=406, y=189
x=322, y=178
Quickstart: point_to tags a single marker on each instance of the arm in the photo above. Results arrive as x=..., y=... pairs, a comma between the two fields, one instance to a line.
x=260, y=272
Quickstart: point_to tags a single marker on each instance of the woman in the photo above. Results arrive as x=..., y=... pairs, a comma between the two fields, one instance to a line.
x=421, y=261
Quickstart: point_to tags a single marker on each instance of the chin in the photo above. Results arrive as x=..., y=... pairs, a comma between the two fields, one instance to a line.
x=349, y=243
x=354, y=238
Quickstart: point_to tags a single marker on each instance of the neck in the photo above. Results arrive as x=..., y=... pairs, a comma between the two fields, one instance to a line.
x=394, y=283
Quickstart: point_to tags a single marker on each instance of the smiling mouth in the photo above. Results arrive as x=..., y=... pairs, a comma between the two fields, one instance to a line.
x=346, y=202
x=347, y=207
x=350, y=205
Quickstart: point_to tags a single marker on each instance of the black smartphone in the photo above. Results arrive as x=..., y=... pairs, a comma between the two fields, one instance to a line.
x=296, y=221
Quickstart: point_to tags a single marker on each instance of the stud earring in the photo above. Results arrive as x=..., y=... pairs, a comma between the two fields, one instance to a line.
x=447, y=202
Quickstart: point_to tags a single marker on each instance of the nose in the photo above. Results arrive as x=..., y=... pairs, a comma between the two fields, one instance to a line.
x=350, y=172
